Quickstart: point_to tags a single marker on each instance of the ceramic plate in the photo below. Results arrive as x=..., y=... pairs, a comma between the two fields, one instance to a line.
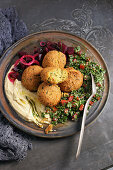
x=28, y=43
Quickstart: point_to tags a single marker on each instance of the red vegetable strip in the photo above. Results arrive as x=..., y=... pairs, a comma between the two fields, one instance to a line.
x=54, y=109
x=91, y=103
x=36, y=62
x=24, y=62
x=81, y=107
x=70, y=98
x=64, y=101
x=77, y=98
x=66, y=110
x=82, y=66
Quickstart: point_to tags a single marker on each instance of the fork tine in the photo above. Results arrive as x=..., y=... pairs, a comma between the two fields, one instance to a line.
x=84, y=117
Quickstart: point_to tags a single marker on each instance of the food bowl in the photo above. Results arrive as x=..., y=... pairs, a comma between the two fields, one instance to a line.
x=27, y=44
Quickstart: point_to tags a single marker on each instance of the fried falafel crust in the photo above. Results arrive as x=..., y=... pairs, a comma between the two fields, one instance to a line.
x=49, y=95
x=54, y=75
x=54, y=59
x=31, y=77
x=74, y=81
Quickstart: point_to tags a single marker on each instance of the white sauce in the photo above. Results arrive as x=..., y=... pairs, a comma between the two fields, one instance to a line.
x=16, y=94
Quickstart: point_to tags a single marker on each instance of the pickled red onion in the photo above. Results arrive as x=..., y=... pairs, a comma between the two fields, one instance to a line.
x=24, y=62
x=36, y=62
x=42, y=43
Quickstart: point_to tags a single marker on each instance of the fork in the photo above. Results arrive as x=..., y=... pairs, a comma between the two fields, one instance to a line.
x=84, y=117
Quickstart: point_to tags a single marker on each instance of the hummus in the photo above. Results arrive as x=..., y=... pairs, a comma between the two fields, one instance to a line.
x=17, y=95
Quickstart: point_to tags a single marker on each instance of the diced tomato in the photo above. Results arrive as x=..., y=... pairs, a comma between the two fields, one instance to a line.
x=48, y=110
x=64, y=101
x=79, y=52
x=70, y=98
x=94, y=96
x=82, y=66
x=66, y=110
x=75, y=116
x=75, y=60
x=54, y=119
x=77, y=98
x=54, y=109
x=88, y=59
x=84, y=85
x=81, y=107
x=98, y=84
x=91, y=103
x=98, y=98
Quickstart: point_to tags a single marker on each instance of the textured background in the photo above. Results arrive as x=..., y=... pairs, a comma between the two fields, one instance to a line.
x=92, y=20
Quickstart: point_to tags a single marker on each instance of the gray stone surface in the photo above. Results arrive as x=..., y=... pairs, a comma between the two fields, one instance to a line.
x=92, y=20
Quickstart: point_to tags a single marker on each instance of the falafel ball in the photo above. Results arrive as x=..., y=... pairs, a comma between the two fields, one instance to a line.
x=54, y=59
x=49, y=95
x=31, y=78
x=54, y=75
x=74, y=81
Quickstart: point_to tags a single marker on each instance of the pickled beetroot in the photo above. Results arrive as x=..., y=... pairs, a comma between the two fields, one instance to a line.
x=70, y=50
x=36, y=50
x=18, y=66
x=64, y=48
x=50, y=48
x=13, y=76
x=49, y=43
x=21, y=53
x=26, y=60
x=15, y=69
x=60, y=45
x=46, y=50
x=16, y=63
x=55, y=45
x=21, y=66
x=36, y=56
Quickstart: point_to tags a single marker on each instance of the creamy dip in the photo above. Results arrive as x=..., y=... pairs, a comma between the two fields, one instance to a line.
x=16, y=94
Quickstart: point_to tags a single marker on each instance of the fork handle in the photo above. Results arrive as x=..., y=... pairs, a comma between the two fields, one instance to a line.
x=83, y=126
